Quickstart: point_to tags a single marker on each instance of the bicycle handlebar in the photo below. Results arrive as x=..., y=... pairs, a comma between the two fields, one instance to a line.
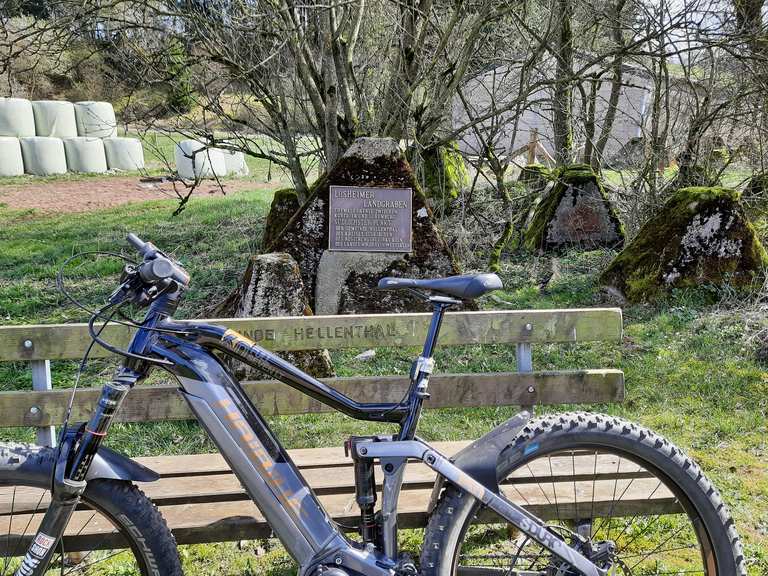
x=157, y=268
x=137, y=243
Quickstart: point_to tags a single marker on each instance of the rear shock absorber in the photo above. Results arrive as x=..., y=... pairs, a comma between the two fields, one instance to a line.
x=365, y=491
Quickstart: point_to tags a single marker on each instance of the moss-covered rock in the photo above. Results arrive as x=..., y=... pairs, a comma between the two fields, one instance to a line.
x=701, y=236
x=272, y=286
x=369, y=162
x=574, y=212
x=285, y=204
x=534, y=176
x=445, y=173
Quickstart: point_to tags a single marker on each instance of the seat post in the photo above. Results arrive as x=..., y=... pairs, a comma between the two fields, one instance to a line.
x=438, y=311
x=422, y=368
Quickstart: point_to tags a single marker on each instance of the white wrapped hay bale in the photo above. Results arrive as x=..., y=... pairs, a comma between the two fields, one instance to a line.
x=194, y=160
x=16, y=118
x=85, y=154
x=124, y=154
x=11, y=163
x=43, y=155
x=95, y=119
x=55, y=118
x=235, y=163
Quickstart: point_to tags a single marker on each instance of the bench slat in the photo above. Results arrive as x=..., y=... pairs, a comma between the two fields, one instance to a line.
x=69, y=341
x=225, y=487
x=226, y=521
x=155, y=403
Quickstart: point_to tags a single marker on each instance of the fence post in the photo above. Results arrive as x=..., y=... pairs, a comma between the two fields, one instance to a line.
x=41, y=380
x=524, y=354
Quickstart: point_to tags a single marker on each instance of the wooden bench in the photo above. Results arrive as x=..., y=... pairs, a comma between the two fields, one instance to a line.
x=204, y=502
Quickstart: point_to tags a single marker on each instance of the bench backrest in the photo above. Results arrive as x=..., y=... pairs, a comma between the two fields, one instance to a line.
x=43, y=407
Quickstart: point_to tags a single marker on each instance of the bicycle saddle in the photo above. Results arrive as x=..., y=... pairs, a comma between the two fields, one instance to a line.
x=465, y=286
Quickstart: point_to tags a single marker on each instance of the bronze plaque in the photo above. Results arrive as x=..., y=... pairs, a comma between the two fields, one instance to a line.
x=369, y=219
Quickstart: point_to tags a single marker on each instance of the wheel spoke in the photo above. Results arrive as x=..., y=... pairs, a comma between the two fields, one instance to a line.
x=616, y=500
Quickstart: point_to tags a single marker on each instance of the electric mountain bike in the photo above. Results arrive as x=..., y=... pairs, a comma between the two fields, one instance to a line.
x=524, y=500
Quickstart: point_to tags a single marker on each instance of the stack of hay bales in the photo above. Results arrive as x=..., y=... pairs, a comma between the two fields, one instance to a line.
x=53, y=136
x=196, y=161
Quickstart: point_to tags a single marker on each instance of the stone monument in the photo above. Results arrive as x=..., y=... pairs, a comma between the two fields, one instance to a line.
x=575, y=212
x=366, y=219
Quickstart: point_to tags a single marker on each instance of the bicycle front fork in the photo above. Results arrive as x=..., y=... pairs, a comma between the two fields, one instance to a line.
x=77, y=449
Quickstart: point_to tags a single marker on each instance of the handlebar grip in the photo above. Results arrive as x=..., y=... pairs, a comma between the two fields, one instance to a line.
x=156, y=270
x=136, y=242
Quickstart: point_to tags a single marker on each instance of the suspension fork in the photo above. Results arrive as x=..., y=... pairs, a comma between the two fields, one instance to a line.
x=76, y=453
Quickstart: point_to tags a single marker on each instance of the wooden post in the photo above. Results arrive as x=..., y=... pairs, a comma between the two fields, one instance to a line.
x=533, y=144
x=41, y=380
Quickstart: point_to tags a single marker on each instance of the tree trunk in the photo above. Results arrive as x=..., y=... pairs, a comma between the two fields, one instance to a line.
x=563, y=94
x=616, y=81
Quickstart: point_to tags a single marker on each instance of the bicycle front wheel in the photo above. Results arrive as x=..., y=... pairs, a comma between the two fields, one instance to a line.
x=115, y=530
x=618, y=493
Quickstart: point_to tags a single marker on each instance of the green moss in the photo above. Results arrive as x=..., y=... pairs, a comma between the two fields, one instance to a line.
x=566, y=178
x=670, y=252
x=445, y=173
x=284, y=205
x=494, y=262
x=534, y=175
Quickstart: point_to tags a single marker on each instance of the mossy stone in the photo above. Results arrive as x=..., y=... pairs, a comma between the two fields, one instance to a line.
x=285, y=204
x=575, y=212
x=272, y=287
x=700, y=236
x=369, y=162
x=534, y=176
x=445, y=173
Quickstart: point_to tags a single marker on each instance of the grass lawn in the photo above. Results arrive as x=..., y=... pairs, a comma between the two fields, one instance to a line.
x=690, y=368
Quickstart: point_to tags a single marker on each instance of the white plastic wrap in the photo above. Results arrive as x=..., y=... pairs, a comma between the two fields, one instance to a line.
x=124, y=154
x=11, y=163
x=85, y=154
x=95, y=119
x=55, y=118
x=16, y=118
x=43, y=155
x=194, y=160
x=235, y=163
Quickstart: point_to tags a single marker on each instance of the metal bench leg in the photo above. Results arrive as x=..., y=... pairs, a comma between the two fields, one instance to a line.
x=524, y=355
x=41, y=380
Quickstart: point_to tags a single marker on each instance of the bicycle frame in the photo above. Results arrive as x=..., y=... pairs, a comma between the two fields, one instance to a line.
x=264, y=467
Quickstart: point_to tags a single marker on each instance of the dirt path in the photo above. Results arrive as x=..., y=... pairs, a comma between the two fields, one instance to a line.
x=91, y=194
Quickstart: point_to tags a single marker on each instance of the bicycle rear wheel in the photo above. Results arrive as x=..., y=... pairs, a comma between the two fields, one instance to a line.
x=115, y=530
x=621, y=495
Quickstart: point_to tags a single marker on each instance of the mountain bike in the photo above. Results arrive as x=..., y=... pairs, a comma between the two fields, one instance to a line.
x=483, y=515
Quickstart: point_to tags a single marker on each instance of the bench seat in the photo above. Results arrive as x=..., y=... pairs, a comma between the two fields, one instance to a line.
x=203, y=501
